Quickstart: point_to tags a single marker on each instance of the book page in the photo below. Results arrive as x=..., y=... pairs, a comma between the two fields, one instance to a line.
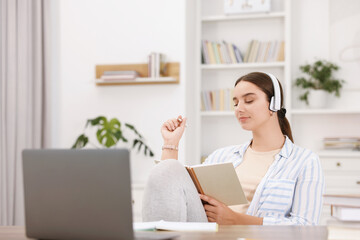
x=175, y=226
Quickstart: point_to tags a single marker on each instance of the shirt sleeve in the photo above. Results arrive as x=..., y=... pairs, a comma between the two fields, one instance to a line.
x=307, y=198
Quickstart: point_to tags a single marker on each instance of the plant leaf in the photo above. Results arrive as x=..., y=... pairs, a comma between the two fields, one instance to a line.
x=109, y=132
x=133, y=129
x=80, y=142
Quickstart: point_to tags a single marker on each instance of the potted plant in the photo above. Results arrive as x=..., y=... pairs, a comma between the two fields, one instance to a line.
x=109, y=134
x=320, y=81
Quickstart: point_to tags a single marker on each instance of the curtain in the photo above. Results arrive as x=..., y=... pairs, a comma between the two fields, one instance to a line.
x=24, y=96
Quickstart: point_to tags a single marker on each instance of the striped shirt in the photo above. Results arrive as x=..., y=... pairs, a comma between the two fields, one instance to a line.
x=291, y=191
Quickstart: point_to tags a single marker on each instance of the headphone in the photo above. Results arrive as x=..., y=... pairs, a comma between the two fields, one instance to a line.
x=275, y=102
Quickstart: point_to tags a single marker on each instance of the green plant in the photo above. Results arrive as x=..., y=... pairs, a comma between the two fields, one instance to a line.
x=319, y=77
x=109, y=133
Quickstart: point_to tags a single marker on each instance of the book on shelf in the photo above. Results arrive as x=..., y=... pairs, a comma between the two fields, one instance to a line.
x=220, y=53
x=343, y=213
x=211, y=53
x=125, y=72
x=341, y=143
x=156, y=64
x=217, y=100
x=349, y=200
x=226, y=52
x=216, y=52
x=175, y=226
x=218, y=181
x=119, y=76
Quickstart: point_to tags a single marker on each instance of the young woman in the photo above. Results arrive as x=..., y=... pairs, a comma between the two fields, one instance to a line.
x=283, y=182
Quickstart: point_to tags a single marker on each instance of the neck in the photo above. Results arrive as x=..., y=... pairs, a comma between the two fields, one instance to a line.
x=268, y=138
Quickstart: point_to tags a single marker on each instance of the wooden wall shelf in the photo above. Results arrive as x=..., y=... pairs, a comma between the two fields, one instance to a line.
x=172, y=70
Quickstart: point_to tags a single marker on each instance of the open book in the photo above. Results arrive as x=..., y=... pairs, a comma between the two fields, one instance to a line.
x=175, y=226
x=218, y=181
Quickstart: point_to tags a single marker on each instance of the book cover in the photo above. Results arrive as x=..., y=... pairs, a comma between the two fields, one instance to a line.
x=211, y=53
x=227, y=53
x=237, y=54
x=205, y=52
x=247, y=54
x=216, y=53
x=221, y=56
x=232, y=54
x=218, y=181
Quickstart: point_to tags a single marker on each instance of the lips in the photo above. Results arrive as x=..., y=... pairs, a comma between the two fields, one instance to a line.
x=243, y=119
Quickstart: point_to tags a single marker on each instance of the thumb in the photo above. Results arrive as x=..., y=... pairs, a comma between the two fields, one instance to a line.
x=183, y=123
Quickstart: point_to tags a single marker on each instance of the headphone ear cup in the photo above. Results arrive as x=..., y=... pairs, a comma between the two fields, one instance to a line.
x=272, y=104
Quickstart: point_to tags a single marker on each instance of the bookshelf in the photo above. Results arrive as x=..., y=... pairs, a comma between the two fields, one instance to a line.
x=214, y=26
x=170, y=76
x=216, y=129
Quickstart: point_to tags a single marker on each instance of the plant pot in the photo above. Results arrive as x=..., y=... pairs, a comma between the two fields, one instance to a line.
x=317, y=98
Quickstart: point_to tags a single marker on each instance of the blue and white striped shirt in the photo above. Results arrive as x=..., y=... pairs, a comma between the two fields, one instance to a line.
x=291, y=191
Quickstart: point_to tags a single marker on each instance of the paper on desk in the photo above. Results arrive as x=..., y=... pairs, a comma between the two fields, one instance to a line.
x=175, y=226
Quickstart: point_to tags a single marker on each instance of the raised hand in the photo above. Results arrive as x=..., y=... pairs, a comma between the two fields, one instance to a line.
x=172, y=130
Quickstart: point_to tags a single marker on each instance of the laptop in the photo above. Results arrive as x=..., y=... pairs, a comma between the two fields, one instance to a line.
x=79, y=194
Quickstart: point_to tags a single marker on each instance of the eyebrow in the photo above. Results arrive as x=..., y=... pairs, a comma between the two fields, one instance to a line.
x=245, y=95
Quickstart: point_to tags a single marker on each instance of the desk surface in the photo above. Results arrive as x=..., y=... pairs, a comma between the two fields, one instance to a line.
x=224, y=233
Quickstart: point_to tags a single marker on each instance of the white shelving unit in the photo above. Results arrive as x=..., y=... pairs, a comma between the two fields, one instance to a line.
x=215, y=129
x=214, y=25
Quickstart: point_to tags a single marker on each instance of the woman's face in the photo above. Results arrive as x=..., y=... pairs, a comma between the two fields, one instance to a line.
x=251, y=106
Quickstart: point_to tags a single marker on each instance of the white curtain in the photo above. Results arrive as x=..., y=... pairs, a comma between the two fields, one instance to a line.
x=24, y=96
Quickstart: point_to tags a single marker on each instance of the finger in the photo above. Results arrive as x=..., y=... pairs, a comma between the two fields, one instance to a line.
x=171, y=124
x=179, y=119
x=174, y=122
x=211, y=214
x=183, y=122
x=211, y=219
x=210, y=200
x=209, y=208
x=168, y=126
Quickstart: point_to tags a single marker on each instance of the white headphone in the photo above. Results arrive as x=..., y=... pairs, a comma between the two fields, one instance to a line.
x=275, y=102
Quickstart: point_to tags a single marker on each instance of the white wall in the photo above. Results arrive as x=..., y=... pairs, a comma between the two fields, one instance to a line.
x=114, y=32
x=313, y=37
x=118, y=31
x=320, y=29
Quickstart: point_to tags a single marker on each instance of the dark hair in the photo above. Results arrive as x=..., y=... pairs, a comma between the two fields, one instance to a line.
x=264, y=82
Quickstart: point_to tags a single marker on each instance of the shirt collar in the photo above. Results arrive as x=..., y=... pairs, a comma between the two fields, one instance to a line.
x=284, y=152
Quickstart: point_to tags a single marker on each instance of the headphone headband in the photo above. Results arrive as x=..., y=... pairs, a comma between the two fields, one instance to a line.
x=275, y=102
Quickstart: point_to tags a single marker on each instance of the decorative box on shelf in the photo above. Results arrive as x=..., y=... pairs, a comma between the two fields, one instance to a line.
x=170, y=75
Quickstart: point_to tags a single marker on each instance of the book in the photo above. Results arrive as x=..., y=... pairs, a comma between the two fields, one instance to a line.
x=218, y=181
x=247, y=54
x=109, y=78
x=345, y=213
x=176, y=226
x=125, y=72
x=342, y=200
x=216, y=53
x=211, y=53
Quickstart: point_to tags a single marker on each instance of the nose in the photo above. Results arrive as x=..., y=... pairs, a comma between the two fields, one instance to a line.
x=239, y=107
